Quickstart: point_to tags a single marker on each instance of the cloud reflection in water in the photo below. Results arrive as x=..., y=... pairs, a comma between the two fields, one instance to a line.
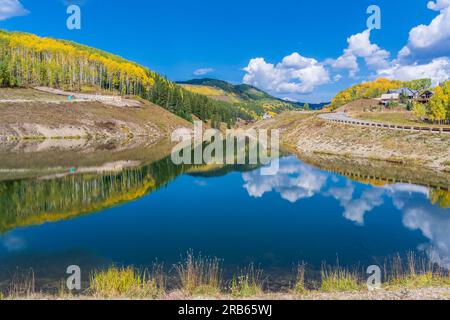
x=296, y=181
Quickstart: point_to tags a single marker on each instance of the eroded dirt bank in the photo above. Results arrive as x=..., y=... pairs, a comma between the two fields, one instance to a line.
x=85, y=120
x=312, y=136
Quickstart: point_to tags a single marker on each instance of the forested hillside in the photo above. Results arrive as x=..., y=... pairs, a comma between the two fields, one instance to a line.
x=365, y=90
x=253, y=100
x=374, y=89
x=241, y=91
x=27, y=60
x=437, y=110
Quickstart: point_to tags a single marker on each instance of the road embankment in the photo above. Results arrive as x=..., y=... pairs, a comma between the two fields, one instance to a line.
x=314, y=135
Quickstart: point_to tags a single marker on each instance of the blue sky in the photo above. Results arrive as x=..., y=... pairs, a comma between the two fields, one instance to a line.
x=292, y=48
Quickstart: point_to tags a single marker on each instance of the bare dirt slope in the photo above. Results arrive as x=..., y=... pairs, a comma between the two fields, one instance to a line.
x=360, y=105
x=89, y=119
x=313, y=135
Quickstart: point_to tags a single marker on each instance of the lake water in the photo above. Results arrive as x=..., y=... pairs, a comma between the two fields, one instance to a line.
x=158, y=212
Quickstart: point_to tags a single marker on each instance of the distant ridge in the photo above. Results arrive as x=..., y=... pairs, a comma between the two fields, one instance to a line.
x=242, y=93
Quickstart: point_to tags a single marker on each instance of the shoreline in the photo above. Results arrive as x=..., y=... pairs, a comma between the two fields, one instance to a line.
x=309, y=135
x=198, y=278
x=426, y=293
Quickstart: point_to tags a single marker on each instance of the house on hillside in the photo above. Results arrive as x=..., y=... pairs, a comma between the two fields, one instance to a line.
x=405, y=92
x=405, y=95
x=267, y=116
x=388, y=98
x=425, y=96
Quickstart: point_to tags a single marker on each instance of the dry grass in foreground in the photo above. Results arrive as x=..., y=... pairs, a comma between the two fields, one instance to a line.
x=201, y=278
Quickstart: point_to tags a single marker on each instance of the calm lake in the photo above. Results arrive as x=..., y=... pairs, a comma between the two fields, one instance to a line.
x=142, y=214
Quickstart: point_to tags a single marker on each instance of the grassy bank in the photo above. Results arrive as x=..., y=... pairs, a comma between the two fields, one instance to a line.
x=202, y=278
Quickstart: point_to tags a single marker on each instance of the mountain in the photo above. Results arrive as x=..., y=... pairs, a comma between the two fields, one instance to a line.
x=312, y=106
x=225, y=91
x=243, y=93
x=255, y=101
x=27, y=60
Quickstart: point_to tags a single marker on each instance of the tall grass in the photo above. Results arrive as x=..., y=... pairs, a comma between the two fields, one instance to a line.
x=199, y=276
x=416, y=272
x=300, y=286
x=128, y=283
x=337, y=279
x=203, y=276
x=22, y=285
x=247, y=283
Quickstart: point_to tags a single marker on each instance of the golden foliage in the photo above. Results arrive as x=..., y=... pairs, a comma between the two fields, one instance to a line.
x=440, y=197
x=365, y=90
x=32, y=60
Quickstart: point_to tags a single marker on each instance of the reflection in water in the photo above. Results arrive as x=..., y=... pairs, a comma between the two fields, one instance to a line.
x=35, y=201
x=422, y=209
x=231, y=212
x=26, y=202
x=293, y=181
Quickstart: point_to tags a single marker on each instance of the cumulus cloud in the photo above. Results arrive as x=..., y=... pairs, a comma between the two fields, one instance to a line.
x=203, y=71
x=346, y=61
x=294, y=74
x=437, y=70
x=11, y=8
x=432, y=40
x=438, y=4
x=425, y=55
x=426, y=52
x=360, y=46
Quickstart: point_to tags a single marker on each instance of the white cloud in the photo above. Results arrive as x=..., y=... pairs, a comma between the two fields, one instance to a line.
x=11, y=8
x=438, y=4
x=294, y=74
x=346, y=61
x=360, y=46
x=432, y=40
x=424, y=56
x=438, y=70
x=203, y=71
